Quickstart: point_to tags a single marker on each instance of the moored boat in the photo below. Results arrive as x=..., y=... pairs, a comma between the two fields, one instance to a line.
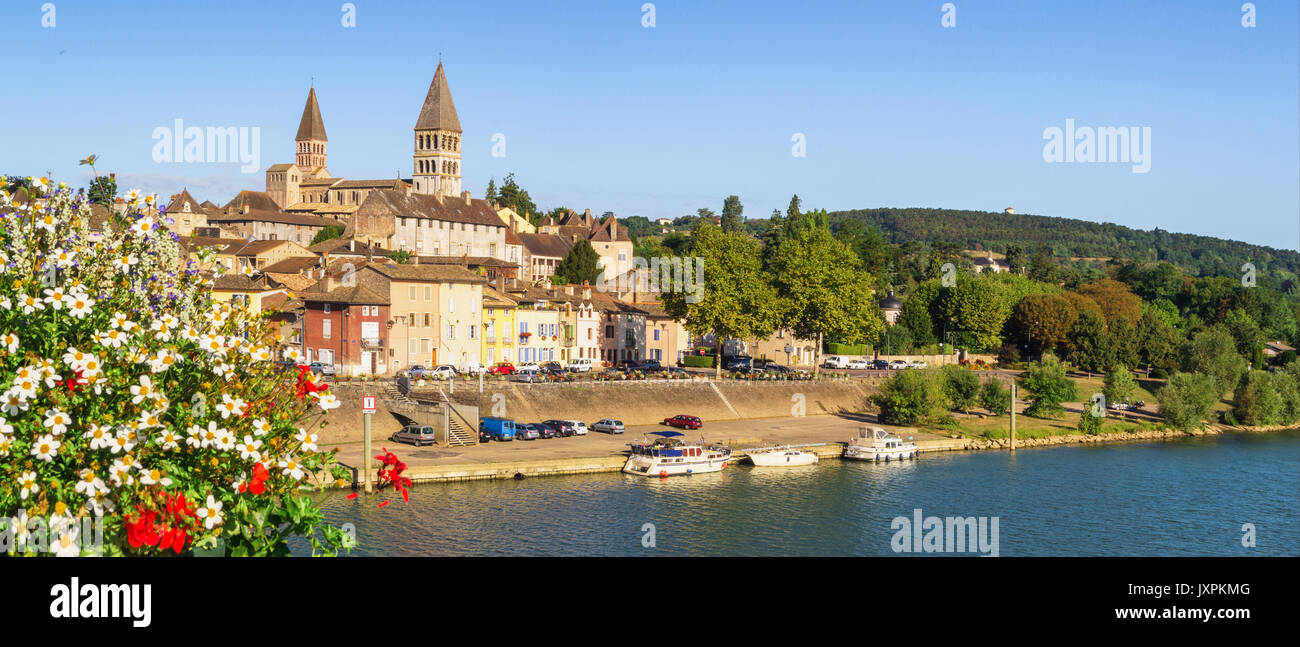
x=781, y=457
x=670, y=456
x=876, y=444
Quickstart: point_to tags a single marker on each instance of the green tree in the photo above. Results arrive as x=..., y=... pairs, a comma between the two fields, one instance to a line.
x=995, y=398
x=1256, y=401
x=1114, y=298
x=916, y=316
x=911, y=397
x=979, y=307
x=824, y=291
x=1046, y=387
x=1211, y=352
x=732, y=221
x=328, y=233
x=516, y=198
x=1157, y=340
x=1119, y=385
x=1089, y=423
x=1245, y=332
x=961, y=385
x=401, y=256
x=1122, y=342
x=737, y=301
x=103, y=190
x=1187, y=399
x=581, y=264
x=491, y=194
x=1089, y=346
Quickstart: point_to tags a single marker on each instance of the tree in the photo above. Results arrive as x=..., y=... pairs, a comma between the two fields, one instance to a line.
x=581, y=264
x=978, y=307
x=1089, y=346
x=103, y=190
x=1046, y=318
x=491, y=194
x=1114, y=299
x=516, y=198
x=1119, y=385
x=1122, y=343
x=732, y=221
x=911, y=397
x=328, y=233
x=1157, y=341
x=1211, y=352
x=1016, y=258
x=1187, y=399
x=1245, y=332
x=1046, y=387
x=1089, y=423
x=961, y=385
x=401, y=256
x=792, y=211
x=823, y=290
x=916, y=316
x=737, y=301
x=995, y=398
x=1256, y=401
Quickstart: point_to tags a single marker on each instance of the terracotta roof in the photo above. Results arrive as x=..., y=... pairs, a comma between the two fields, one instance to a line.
x=311, y=126
x=355, y=295
x=279, y=167
x=274, y=301
x=495, y=299
x=388, y=202
x=321, y=181
x=238, y=282
x=427, y=272
x=371, y=184
x=177, y=205
x=438, y=111
x=259, y=247
x=545, y=245
x=223, y=245
x=470, y=261
x=260, y=200
x=259, y=215
x=294, y=265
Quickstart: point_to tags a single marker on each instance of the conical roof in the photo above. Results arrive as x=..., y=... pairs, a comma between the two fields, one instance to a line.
x=312, y=127
x=438, y=111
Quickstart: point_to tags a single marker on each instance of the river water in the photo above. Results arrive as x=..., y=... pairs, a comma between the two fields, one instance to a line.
x=1181, y=498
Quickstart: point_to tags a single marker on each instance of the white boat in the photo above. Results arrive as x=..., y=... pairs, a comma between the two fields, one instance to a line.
x=781, y=457
x=670, y=456
x=876, y=444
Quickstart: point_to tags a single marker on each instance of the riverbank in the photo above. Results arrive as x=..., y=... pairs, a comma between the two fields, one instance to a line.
x=824, y=435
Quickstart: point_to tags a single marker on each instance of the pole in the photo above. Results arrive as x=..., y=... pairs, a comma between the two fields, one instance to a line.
x=365, y=457
x=1013, y=415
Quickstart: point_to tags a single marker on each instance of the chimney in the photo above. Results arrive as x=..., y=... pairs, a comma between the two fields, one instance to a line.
x=465, y=194
x=569, y=289
x=586, y=213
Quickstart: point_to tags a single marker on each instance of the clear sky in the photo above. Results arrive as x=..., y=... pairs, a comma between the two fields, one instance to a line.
x=601, y=112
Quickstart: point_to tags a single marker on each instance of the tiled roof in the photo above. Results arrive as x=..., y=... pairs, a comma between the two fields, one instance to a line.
x=294, y=265
x=370, y=184
x=311, y=126
x=276, y=168
x=471, y=261
x=427, y=273
x=451, y=209
x=258, y=200
x=340, y=247
x=438, y=111
x=354, y=295
x=545, y=245
x=259, y=215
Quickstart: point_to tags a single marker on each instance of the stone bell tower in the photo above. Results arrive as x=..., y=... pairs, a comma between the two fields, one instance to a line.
x=311, y=137
x=437, y=142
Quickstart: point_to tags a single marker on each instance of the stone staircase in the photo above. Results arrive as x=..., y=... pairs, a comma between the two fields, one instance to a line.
x=458, y=432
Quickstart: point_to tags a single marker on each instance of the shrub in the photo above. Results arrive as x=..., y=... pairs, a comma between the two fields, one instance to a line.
x=1256, y=401
x=136, y=400
x=1187, y=400
x=1088, y=423
x=697, y=361
x=911, y=397
x=848, y=349
x=1047, y=387
x=995, y=398
x=961, y=386
x=1119, y=384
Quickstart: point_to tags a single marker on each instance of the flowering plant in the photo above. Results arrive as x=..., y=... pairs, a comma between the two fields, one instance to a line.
x=131, y=399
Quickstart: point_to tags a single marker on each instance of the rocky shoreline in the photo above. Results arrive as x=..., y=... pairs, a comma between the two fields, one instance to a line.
x=976, y=444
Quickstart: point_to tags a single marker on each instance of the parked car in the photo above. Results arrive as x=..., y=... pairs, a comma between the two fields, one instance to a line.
x=416, y=435
x=652, y=365
x=500, y=429
x=527, y=431
x=609, y=426
x=684, y=422
x=835, y=361
x=897, y=365
x=528, y=366
x=738, y=363
x=858, y=364
x=553, y=368
x=441, y=372
x=417, y=371
x=484, y=436
x=917, y=363
x=579, y=365
x=502, y=368
x=579, y=427
x=675, y=370
x=322, y=369
x=529, y=375
x=777, y=368
x=879, y=365
x=545, y=430
x=564, y=428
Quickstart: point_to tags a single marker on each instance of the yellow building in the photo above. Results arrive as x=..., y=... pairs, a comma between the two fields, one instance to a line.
x=498, y=326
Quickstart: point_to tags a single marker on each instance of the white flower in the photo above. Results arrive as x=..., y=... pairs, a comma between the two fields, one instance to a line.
x=292, y=353
x=56, y=298
x=63, y=257
x=149, y=419
x=80, y=306
x=154, y=475
x=144, y=226
x=144, y=390
x=225, y=440
x=57, y=421
x=45, y=448
x=210, y=513
x=248, y=449
x=90, y=483
x=99, y=437
x=261, y=427
x=231, y=406
x=291, y=468
x=123, y=441
x=10, y=342
x=214, y=344
x=67, y=545
x=162, y=360
x=6, y=437
x=120, y=474
x=112, y=338
x=91, y=367
x=169, y=440
x=328, y=401
x=27, y=483
x=307, y=439
x=30, y=304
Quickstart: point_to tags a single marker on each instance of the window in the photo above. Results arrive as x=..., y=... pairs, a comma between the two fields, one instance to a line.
x=492, y=250
x=435, y=248
x=473, y=332
x=419, y=246
x=428, y=293
x=325, y=328
x=411, y=345
x=451, y=304
x=413, y=293
x=426, y=320
x=451, y=331
x=609, y=332
x=424, y=345
x=656, y=334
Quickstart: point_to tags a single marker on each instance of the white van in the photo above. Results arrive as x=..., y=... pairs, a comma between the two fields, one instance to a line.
x=835, y=361
x=579, y=365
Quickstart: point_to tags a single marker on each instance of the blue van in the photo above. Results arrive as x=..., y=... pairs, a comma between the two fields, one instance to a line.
x=499, y=428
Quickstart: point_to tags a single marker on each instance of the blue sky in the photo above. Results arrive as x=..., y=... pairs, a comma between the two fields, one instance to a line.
x=603, y=113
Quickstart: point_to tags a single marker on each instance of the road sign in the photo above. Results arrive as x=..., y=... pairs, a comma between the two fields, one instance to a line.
x=367, y=404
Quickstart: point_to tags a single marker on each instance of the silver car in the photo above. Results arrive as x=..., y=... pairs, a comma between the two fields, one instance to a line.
x=579, y=427
x=416, y=435
x=609, y=426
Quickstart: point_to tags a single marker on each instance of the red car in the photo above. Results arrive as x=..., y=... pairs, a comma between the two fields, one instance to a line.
x=684, y=422
x=502, y=368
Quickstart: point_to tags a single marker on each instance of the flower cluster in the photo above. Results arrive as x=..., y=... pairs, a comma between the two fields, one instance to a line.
x=390, y=473
x=129, y=395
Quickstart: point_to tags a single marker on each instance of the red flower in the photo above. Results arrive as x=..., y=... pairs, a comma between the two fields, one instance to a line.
x=260, y=475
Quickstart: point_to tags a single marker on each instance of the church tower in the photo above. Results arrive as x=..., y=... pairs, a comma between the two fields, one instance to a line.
x=311, y=138
x=437, y=142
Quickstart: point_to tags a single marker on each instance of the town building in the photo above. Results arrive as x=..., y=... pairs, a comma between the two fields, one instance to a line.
x=344, y=325
x=436, y=316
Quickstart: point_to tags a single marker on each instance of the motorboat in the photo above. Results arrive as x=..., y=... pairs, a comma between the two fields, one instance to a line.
x=781, y=457
x=669, y=455
x=876, y=444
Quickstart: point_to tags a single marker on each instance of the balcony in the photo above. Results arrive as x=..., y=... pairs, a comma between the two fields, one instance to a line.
x=570, y=341
x=491, y=339
x=523, y=340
